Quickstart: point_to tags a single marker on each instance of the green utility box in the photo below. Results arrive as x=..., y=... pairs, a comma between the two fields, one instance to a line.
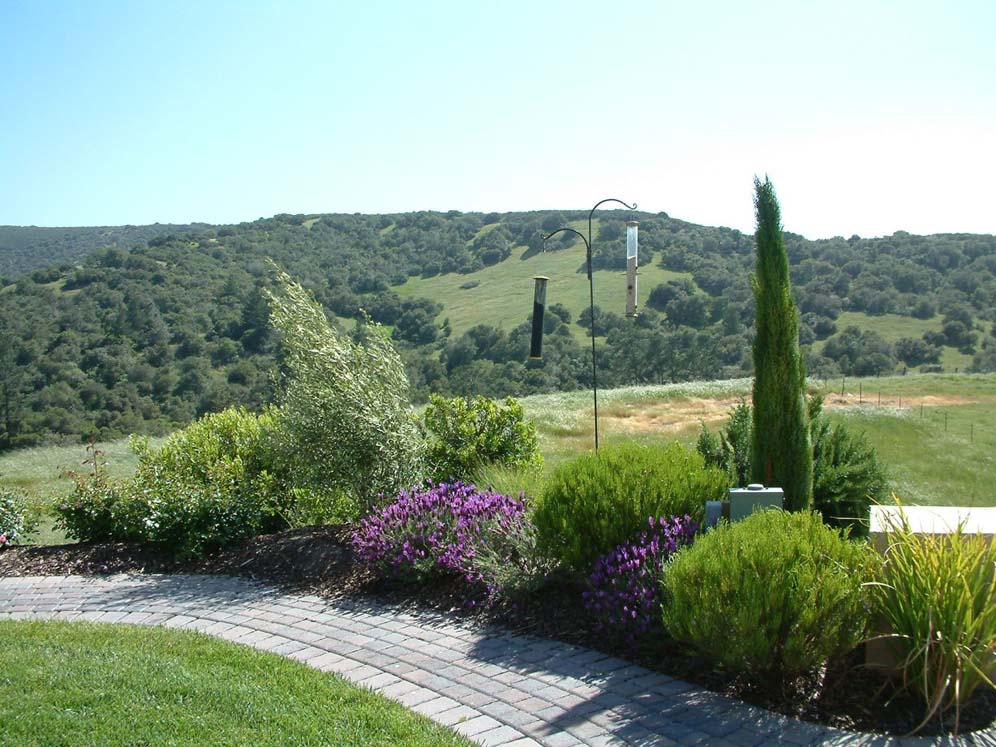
x=745, y=501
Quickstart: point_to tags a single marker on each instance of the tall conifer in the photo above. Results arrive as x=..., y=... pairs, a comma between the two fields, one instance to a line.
x=782, y=454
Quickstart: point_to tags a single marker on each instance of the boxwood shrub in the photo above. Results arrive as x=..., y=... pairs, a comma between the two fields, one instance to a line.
x=465, y=434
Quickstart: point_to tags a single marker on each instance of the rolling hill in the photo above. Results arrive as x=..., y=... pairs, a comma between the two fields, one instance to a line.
x=143, y=328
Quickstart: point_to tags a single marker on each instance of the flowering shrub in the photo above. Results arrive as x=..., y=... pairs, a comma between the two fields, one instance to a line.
x=622, y=591
x=13, y=522
x=436, y=529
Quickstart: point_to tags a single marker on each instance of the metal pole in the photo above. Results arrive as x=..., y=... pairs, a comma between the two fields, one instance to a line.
x=591, y=295
x=591, y=304
x=591, y=312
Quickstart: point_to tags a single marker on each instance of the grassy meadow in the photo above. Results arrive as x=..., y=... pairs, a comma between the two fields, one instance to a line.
x=935, y=433
x=892, y=327
x=503, y=296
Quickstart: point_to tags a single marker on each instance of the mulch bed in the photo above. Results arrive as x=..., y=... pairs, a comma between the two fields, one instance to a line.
x=320, y=561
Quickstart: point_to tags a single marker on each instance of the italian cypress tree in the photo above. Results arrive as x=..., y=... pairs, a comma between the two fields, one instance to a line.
x=782, y=455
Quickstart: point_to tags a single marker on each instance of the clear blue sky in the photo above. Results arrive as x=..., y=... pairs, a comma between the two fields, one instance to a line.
x=869, y=117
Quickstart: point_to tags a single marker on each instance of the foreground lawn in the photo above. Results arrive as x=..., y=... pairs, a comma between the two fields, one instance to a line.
x=82, y=684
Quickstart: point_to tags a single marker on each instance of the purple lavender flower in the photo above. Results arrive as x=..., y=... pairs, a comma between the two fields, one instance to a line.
x=622, y=591
x=435, y=529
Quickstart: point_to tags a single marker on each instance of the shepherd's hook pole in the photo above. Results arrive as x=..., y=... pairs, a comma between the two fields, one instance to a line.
x=591, y=294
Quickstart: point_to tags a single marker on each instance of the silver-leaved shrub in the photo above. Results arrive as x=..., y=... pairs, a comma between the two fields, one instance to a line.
x=346, y=426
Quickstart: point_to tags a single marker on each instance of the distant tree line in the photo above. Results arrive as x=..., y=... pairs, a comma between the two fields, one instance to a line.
x=148, y=335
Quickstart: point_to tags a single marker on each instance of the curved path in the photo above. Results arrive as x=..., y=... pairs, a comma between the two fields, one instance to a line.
x=492, y=686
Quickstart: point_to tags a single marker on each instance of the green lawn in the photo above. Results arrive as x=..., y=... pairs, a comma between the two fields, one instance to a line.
x=88, y=685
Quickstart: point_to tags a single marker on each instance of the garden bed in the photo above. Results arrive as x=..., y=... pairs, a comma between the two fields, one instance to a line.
x=321, y=561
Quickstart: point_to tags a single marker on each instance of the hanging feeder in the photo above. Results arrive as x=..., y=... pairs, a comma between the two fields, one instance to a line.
x=539, y=308
x=632, y=242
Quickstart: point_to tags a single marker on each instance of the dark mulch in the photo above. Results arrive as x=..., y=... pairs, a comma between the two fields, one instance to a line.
x=320, y=561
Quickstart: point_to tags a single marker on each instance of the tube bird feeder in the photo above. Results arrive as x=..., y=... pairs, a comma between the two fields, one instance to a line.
x=632, y=241
x=539, y=308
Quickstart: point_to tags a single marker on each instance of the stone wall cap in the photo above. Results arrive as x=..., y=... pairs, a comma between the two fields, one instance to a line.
x=935, y=519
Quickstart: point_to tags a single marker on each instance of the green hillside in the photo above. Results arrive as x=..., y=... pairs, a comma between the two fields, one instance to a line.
x=502, y=295
x=144, y=332
x=28, y=248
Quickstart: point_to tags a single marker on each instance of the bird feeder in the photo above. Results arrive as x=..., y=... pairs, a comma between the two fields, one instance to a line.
x=539, y=308
x=632, y=229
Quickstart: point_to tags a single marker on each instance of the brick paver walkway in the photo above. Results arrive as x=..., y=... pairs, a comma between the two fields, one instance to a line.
x=492, y=686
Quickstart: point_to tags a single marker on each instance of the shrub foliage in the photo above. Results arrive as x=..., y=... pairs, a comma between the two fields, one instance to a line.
x=209, y=484
x=15, y=524
x=598, y=501
x=772, y=596
x=345, y=419
x=466, y=434
x=847, y=475
x=731, y=449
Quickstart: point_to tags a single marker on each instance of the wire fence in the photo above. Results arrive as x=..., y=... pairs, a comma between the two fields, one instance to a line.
x=942, y=410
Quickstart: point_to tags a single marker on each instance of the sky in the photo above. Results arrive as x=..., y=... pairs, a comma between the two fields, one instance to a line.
x=869, y=117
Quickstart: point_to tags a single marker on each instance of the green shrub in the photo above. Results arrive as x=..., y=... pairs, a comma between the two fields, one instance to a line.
x=100, y=510
x=598, y=501
x=210, y=483
x=772, y=596
x=731, y=449
x=466, y=434
x=315, y=508
x=847, y=476
x=346, y=424
x=16, y=523
x=938, y=597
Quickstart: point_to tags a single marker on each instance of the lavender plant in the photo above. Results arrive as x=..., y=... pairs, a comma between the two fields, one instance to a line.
x=623, y=588
x=437, y=529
